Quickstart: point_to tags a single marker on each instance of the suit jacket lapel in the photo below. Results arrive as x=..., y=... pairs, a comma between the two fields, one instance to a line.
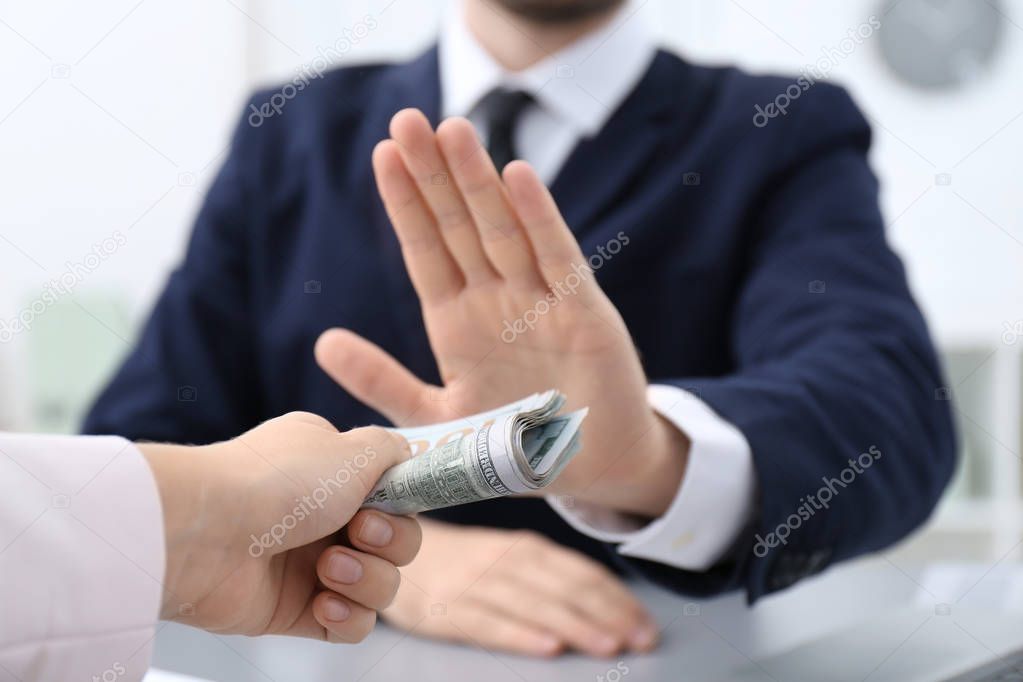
x=414, y=84
x=600, y=168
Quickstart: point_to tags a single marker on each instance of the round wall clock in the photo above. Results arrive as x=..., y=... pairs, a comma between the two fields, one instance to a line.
x=938, y=44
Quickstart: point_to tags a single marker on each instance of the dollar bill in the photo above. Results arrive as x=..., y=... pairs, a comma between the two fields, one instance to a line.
x=511, y=450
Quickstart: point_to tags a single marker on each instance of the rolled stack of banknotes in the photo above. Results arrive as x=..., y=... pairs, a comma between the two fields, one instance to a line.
x=514, y=449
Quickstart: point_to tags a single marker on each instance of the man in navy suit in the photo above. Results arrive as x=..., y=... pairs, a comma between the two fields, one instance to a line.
x=712, y=281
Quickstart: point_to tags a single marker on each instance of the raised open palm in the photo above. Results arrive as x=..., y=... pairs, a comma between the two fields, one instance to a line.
x=511, y=307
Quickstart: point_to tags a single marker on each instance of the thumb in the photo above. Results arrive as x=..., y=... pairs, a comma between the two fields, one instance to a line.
x=371, y=375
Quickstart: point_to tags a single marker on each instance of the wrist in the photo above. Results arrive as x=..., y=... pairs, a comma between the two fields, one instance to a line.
x=645, y=482
x=666, y=468
x=182, y=485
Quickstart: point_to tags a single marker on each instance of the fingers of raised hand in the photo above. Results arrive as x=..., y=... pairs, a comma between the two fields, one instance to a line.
x=430, y=265
x=458, y=221
x=373, y=376
x=555, y=247
x=483, y=192
x=425, y=164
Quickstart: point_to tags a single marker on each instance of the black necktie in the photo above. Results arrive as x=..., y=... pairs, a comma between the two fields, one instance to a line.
x=503, y=108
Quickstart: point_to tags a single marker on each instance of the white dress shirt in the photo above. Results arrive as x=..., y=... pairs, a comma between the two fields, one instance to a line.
x=81, y=558
x=576, y=91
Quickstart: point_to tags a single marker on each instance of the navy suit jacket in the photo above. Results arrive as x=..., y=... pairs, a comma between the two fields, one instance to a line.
x=757, y=276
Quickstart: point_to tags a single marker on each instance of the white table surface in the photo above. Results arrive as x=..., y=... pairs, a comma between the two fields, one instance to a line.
x=701, y=640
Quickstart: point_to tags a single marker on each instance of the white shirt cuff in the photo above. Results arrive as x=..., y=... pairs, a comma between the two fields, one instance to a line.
x=82, y=558
x=713, y=503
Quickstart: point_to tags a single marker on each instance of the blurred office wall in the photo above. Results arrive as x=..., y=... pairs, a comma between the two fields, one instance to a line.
x=114, y=116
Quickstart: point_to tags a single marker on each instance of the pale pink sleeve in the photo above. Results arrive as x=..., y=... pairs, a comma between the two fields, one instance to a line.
x=81, y=559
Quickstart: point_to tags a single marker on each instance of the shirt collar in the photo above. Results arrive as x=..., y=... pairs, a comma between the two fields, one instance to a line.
x=583, y=84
